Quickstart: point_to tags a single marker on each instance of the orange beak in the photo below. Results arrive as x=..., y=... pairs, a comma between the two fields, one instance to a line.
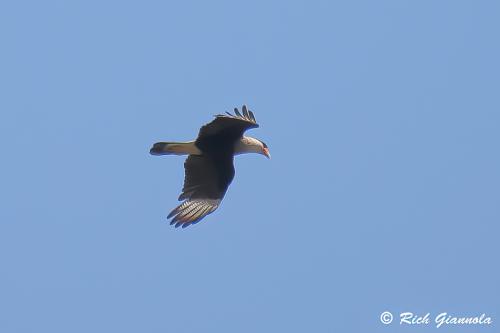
x=266, y=153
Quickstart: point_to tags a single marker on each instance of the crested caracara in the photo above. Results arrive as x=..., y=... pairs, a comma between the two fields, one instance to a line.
x=209, y=167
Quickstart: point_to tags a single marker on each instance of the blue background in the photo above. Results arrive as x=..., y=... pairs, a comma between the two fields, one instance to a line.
x=383, y=192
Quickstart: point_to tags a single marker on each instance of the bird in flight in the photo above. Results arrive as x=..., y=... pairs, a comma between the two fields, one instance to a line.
x=209, y=166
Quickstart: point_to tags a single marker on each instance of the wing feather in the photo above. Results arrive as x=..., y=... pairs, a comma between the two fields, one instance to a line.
x=190, y=209
x=245, y=112
x=251, y=115
x=193, y=211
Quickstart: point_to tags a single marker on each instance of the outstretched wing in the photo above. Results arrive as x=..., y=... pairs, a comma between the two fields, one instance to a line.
x=207, y=178
x=227, y=127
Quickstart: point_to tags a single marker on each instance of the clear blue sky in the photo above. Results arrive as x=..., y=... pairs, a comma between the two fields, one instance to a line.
x=383, y=193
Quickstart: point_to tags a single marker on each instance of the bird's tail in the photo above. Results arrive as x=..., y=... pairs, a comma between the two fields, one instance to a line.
x=174, y=148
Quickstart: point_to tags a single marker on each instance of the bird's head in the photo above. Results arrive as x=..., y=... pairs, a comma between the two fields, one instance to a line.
x=248, y=144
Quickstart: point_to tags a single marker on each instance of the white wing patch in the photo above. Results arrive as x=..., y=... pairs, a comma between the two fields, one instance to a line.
x=192, y=211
